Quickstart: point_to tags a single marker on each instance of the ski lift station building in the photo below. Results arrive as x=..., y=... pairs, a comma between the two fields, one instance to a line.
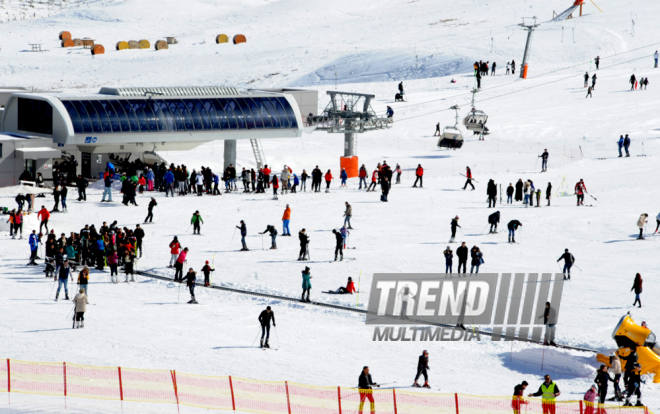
x=140, y=121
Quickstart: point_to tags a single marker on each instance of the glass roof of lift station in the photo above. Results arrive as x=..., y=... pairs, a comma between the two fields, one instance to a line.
x=111, y=114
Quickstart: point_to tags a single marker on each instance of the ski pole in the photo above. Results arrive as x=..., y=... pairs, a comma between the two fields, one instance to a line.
x=70, y=312
x=357, y=302
x=276, y=336
x=262, y=242
x=577, y=267
x=232, y=237
x=255, y=338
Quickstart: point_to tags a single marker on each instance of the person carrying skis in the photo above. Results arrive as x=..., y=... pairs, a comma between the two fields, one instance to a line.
x=454, y=225
x=81, y=302
x=63, y=279
x=544, y=160
x=626, y=145
x=580, y=189
x=548, y=391
x=419, y=173
x=178, y=266
x=468, y=174
x=641, y=223
x=365, y=384
x=620, y=144
x=637, y=287
x=175, y=247
x=196, y=221
x=449, y=258
x=150, y=211
x=422, y=368
x=304, y=241
x=265, y=317
x=34, y=247
x=339, y=245
x=243, y=229
x=348, y=213
x=462, y=254
x=493, y=220
x=286, y=218
x=569, y=259
x=190, y=278
x=207, y=273
x=306, y=284
x=273, y=236
x=513, y=226
x=491, y=192
x=517, y=400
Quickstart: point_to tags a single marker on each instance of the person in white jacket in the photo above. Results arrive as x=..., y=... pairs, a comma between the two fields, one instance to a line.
x=643, y=219
x=284, y=178
x=81, y=306
x=616, y=370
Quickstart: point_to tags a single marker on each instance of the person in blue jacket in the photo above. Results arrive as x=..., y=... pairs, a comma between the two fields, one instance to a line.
x=151, y=177
x=63, y=279
x=34, y=247
x=169, y=182
x=216, y=181
x=344, y=177
x=620, y=143
x=110, y=167
x=107, y=189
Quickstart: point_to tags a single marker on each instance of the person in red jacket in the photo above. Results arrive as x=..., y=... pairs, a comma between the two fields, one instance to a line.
x=276, y=185
x=44, y=215
x=350, y=288
x=266, y=171
x=580, y=189
x=374, y=181
x=363, y=177
x=328, y=178
x=174, y=251
x=468, y=174
x=419, y=173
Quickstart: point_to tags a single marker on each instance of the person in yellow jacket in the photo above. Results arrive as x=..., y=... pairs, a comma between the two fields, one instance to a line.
x=548, y=391
x=285, y=221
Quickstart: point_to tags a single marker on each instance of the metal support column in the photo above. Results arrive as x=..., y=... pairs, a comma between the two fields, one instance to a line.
x=349, y=144
x=230, y=152
x=528, y=46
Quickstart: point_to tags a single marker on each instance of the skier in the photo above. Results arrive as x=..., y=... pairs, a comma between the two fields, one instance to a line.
x=518, y=393
x=83, y=280
x=265, y=317
x=419, y=173
x=175, y=246
x=344, y=234
x=637, y=287
x=328, y=179
x=286, y=218
x=339, y=246
x=18, y=224
x=493, y=220
x=454, y=225
x=580, y=189
x=81, y=306
x=513, y=226
x=462, y=254
x=63, y=279
x=150, y=210
x=350, y=288
x=306, y=284
x=633, y=82
x=296, y=183
x=643, y=219
x=491, y=191
x=548, y=391
x=586, y=79
x=190, y=278
x=273, y=236
x=365, y=384
x=602, y=379
x=626, y=145
x=550, y=321
x=569, y=259
x=422, y=368
x=548, y=193
x=597, y=61
x=178, y=266
x=348, y=214
x=620, y=144
x=196, y=221
x=344, y=176
x=390, y=112
x=468, y=174
x=243, y=229
x=509, y=194
x=401, y=88
x=544, y=159
x=207, y=273
x=304, y=242
x=374, y=181
x=634, y=385
x=449, y=258
x=34, y=247
x=44, y=215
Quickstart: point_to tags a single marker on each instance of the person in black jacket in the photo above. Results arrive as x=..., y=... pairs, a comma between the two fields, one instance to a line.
x=518, y=394
x=513, y=226
x=454, y=225
x=304, y=240
x=548, y=193
x=139, y=235
x=150, y=210
x=509, y=194
x=365, y=384
x=190, y=278
x=569, y=259
x=462, y=254
x=339, y=246
x=243, y=229
x=602, y=379
x=634, y=385
x=637, y=287
x=492, y=193
x=273, y=236
x=422, y=368
x=207, y=273
x=493, y=219
x=519, y=190
x=81, y=184
x=265, y=317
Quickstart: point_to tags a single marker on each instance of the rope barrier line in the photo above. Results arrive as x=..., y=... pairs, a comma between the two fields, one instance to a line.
x=343, y=308
x=247, y=395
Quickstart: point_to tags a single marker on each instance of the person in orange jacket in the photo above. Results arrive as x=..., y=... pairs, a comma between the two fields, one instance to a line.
x=374, y=180
x=328, y=178
x=142, y=182
x=266, y=171
x=285, y=221
x=44, y=215
x=419, y=173
x=276, y=185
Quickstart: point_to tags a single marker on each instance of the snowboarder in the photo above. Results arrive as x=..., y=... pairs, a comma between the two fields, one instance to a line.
x=454, y=225
x=569, y=259
x=286, y=218
x=586, y=79
x=339, y=246
x=196, y=221
x=419, y=173
x=207, y=273
x=509, y=194
x=462, y=254
x=81, y=306
x=637, y=287
x=513, y=226
x=580, y=189
x=548, y=193
x=449, y=258
x=518, y=393
x=626, y=145
x=304, y=245
x=243, y=229
x=348, y=214
x=175, y=247
x=365, y=384
x=150, y=210
x=641, y=223
x=178, y=266
x=468, y=174
x=190, y=278
x=306, y=284
x=491, y=191
x=620, y=144
x=544, y=160
x=422, y=368
x=273, y=236
x=493, y=220
x=265, y=317
x=63, y=279
x=548, y=391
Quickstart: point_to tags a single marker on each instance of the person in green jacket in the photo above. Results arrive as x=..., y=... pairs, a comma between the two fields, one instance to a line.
x=196, y=221
x=306, y=285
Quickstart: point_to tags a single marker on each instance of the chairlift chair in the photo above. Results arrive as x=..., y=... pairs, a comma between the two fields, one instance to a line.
x=451, y=136
x=475, y=120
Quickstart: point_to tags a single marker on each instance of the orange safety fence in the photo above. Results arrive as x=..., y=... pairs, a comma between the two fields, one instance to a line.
x=272, y=397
